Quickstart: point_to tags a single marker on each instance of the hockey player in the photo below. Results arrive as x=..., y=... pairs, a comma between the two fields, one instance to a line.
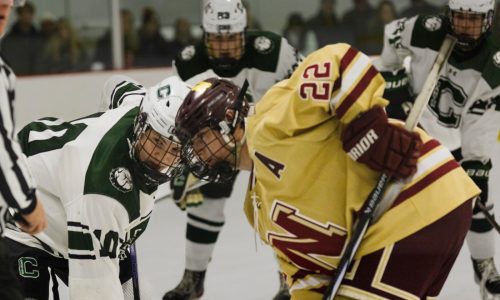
x=463, y=113
x=98, y=177
x=229, y=51
x=17, y=189
x=306, y=186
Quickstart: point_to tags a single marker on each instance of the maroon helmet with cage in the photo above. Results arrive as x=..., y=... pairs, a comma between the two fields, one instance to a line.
x=206, y=123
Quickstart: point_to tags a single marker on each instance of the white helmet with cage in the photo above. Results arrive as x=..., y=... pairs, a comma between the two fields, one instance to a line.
x=484, y=8
x=224, y=24
x=154, y=127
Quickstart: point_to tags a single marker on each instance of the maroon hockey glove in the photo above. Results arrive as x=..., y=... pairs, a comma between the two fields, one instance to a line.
x=384, y=147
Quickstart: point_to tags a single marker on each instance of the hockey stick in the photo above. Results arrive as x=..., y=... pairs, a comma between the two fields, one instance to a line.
x=487, y=214
x=375, y=197
x=135, y=272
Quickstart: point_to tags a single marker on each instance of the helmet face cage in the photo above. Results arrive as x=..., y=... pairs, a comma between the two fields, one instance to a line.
x=157, y=158
x=224, y=23
x=225, y=49
x=469, y=27
x=207, y=123
x=212, y=155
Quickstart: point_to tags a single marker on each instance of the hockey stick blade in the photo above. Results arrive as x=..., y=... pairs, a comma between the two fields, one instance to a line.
x=368, y=211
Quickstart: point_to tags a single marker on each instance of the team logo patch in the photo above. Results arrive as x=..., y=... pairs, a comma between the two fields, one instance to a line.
x=433, y=23
x=121, y=179
x=188, y=53
x=263, y=44
x=496, y=59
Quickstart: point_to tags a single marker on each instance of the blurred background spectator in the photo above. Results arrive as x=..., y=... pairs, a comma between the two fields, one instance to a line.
x=22, y=44
x=419, y=7
x=299, y=35
x=152, y=47
x=63, y=51
x=252, y=22
x=102, y=59
x=48, y=25
x=182, y=38
x=163, y=28
x=360, y=20
x=386, y=13
x=326, y=27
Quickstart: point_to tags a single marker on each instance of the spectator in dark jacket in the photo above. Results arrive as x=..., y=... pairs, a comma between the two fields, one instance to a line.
x=152, y=46
x=22, y=43
x=326, y=27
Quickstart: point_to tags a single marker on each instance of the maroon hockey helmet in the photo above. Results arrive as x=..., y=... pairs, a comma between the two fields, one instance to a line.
x=206, y=123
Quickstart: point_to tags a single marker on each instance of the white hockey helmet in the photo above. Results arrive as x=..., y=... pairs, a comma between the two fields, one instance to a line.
x=224, y=16
x=224, y=23
x=157, y=151
x=476, y=7
x=161, y=104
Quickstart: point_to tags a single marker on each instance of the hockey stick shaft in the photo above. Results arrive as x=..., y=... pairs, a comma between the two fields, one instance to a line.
x=135, y=272
x=487, y=215
x=374, y=199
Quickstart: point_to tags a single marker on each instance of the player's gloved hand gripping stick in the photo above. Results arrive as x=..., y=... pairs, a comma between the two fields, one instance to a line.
x=370, y=209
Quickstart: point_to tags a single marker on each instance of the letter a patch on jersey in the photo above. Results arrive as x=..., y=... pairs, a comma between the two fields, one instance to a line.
x=275, y=167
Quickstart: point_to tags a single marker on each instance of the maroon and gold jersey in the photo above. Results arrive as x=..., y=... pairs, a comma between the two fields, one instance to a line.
x=306, y=191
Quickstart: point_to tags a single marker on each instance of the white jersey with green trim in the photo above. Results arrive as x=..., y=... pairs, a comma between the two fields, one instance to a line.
x=268, y=59
x=463, y=111
x=96, y=205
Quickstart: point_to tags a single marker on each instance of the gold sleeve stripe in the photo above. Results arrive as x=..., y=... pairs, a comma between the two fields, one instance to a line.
x=426, y=181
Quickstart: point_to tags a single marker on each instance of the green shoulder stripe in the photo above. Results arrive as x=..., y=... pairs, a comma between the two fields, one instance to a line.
x=491, y=71
x=109, y=171
x=78, y=240
x=191, y=61
x=120, y=91
x=429, y=32
x=46, y=137
x=262, y=50
x=55, y=137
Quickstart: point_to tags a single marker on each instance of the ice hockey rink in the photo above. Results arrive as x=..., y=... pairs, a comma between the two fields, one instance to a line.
x=241, y=268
